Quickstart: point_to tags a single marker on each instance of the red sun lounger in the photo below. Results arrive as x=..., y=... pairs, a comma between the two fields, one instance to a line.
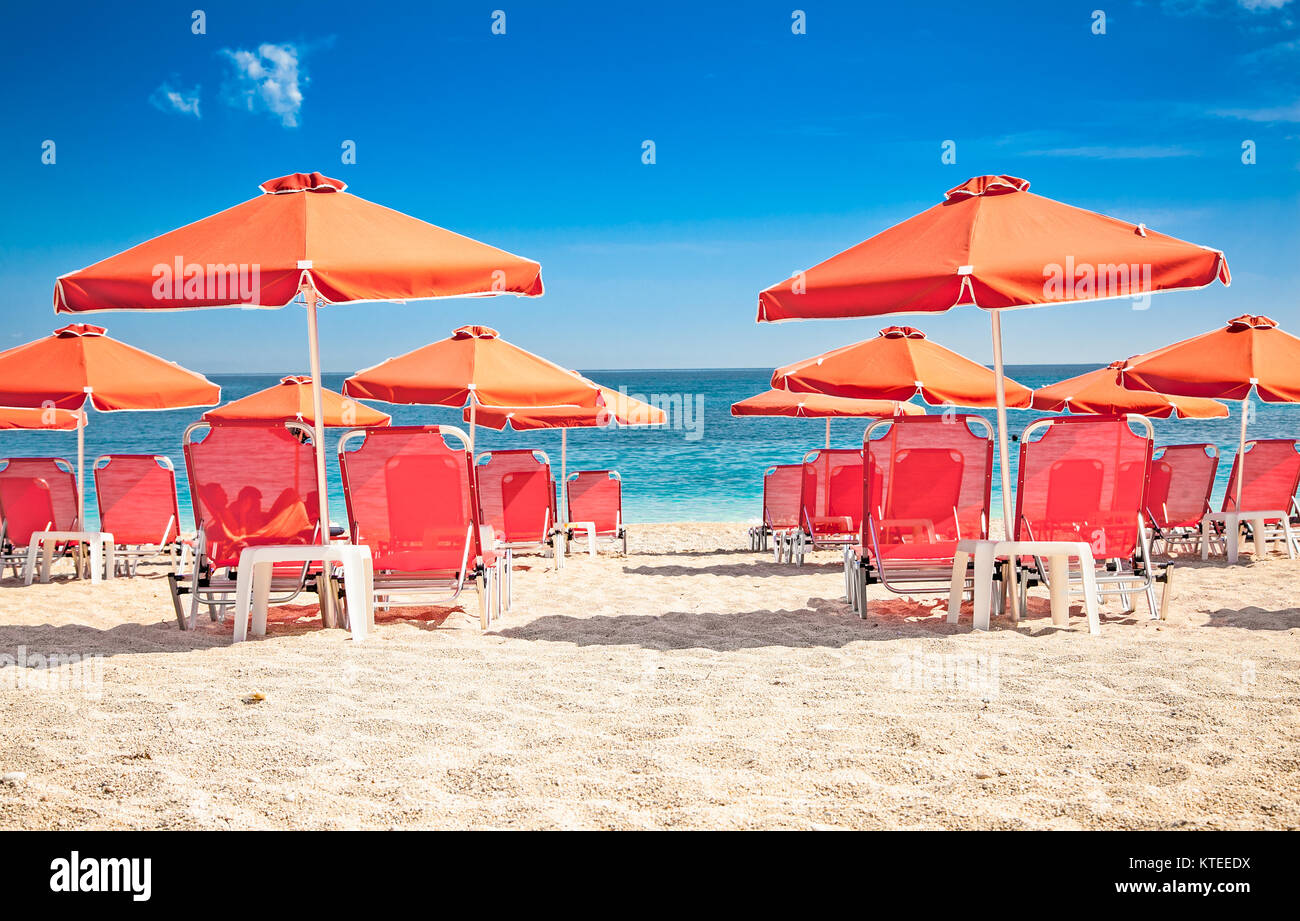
x=926, y=487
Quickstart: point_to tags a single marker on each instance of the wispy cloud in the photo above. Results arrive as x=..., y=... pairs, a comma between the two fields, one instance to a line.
x=168, y=98
x=266, y=80
x=1257, y=5
x=1104, y=152
x=1282, y=113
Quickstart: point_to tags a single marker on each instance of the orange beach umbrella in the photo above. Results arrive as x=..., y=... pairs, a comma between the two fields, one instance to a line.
x=1247, y=353
x=1102, y=392
x=900, y=362
x=820, y=405
x=303, y=235
x=616, y=406
x=993, y=244
x=81, y=364
x=473, y=367
x=49, y=419
x=291, y=400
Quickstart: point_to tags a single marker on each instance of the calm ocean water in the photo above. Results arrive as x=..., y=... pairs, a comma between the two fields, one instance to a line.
x=705, y=468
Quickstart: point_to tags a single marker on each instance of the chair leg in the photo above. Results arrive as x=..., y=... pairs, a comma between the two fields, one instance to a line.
x=1166, y=592
x=480, y=586
x=173, y=583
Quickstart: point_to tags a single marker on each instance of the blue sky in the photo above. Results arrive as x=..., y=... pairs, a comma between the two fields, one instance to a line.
x=774, y=151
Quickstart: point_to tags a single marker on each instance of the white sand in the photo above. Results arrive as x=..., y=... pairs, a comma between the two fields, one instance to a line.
x=692, y=684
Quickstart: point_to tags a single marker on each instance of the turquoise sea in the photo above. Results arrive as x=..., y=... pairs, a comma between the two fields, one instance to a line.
x=698, y=468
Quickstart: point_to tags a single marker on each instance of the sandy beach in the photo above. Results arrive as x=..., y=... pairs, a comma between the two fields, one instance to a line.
x=691, y=684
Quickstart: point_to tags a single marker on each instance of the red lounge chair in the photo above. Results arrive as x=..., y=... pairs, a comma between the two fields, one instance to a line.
x=1178, y=493
x=252, y=484
x=412, y=500
x=1084, y=479
x=516, y=493
x=137, y=505
x=49, y=506
x=595, y=497
x=781, y=487
x=928, y=488
x=830, y=502
x=1269, y=483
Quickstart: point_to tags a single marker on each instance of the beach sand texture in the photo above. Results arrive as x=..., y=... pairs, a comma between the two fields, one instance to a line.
x=692, y=684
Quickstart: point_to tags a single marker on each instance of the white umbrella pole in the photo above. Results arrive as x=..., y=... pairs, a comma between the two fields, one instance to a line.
x=328, y=617
x=564, y=474
x=473, y=412
x=81, y=471
x=1004, y=456
x=1241, y=449
x=828, y=432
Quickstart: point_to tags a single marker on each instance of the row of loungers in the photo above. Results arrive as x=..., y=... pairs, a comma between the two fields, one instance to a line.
x=434, y=517
x=920, y=485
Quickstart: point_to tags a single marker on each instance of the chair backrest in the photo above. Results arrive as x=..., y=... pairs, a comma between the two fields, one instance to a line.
x=1270, y=477
x=58, y=476
x=26, y=507
x=251, y=484
x=782, y=485
x=137, y=498
x=1182, y=478
x=830, y=494
x=927, y=485
x=516, y=494
x=1083, y=479
x=596, y=496
x=411, y=498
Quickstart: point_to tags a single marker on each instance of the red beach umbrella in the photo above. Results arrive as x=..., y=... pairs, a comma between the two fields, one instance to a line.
x=81, y=364
x=291, y=400
x=994, y=245
x=1247, y=353
x=303, y=235
x=819, y=406
x=1102, y=392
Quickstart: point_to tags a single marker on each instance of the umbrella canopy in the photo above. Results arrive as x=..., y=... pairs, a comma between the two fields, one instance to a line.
x=1248, y=352
x=53, y=420
x=304, y=234
x=80, y=363
x=615, y=406
x=473, y=365
x=992, y=244
x=303, y=231
x=291, y=400
x=1225, y=364
x=899, y=363
x=819, y=406
x=1102, y=392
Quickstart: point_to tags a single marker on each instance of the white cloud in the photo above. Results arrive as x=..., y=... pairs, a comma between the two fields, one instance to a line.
x=1254, y=5
x=172, y=99
x=1098, y=152
x=266, y=80
x=1283, y=113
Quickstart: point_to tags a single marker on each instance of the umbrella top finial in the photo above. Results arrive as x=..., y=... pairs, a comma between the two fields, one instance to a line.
x=474, y=332
x=302, y=182
x=79, y=329
x=902, y=332
x=987, y=185
x=1248, y=321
